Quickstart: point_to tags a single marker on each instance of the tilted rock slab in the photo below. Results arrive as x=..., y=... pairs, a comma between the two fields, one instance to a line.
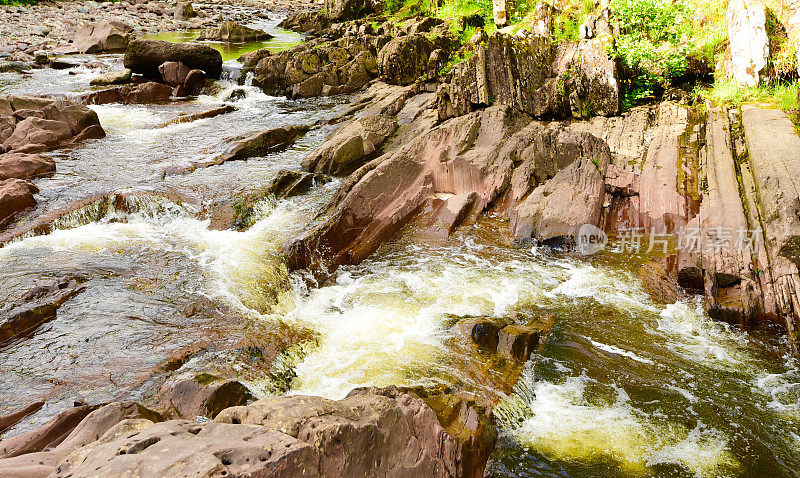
x=487, y=153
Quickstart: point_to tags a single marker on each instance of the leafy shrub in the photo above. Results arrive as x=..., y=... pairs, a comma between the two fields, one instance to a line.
x=653, y=43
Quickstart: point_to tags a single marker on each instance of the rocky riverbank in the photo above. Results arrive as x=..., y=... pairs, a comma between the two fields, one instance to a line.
x=54, y=25
x=523, y=131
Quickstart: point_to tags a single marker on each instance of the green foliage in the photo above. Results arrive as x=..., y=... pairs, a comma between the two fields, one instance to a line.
x=401, y=9
x=565, y=28
x=726, y=92
x=653, y=43
x=17, y=2
x=452, y=10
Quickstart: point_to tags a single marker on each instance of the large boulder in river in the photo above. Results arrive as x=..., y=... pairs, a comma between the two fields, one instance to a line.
x=16, y=195
x=749, y=43
x=203, y=395
x=108, y=36
x=231, y=32
x=351, y=9
x=352, y=145
x=145, y=56
x=404, y=60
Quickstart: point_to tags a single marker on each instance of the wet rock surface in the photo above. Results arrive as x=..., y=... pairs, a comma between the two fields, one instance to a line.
x=36, y=307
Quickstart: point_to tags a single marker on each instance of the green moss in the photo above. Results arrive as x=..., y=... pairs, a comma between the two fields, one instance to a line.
x=206, y=378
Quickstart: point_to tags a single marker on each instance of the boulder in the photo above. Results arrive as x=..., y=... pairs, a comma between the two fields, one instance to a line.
x=408, y=432
x=25, y=166
x=315, y=68
x=145, y=56
x=174, y=73
x=112, y=78
x=41, y=124
x=108, y=36
x=203, y=395
x=342, y=10
x=497, y=151
x=231, y=32
x=262, y=143
x=749, y=42
x=404, y=60
x=291, y=183
x=305, y=22
x=49, y=435
x=37, y=134
x=7, y=124
x=554, y=210
x=351, y=146
x=184, y=11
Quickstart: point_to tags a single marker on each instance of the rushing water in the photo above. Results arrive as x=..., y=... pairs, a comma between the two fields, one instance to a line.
x=623, y=386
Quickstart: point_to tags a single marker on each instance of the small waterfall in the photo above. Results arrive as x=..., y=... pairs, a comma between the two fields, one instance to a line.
x=106, y=208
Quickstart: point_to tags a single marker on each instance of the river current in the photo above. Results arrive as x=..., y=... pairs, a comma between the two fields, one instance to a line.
x=623, y=386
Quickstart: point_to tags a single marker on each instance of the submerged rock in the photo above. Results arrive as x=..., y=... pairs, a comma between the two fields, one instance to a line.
x=231, y=32
x=262, y=143
x=146, y=93
x=37, y=306
x=146, y=56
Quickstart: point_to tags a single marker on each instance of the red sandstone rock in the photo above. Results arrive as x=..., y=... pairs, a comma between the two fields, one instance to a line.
x=25, y=166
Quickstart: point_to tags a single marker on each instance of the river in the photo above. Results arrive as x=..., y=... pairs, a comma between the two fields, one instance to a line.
x=623, y=386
